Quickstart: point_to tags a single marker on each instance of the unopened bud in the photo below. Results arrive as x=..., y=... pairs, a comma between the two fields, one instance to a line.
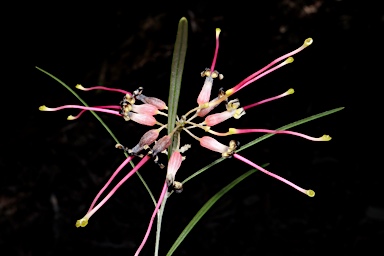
x=159, y=104
x=141, y=118
x=161, y=145
x=146, y=140
x=212, y=144
x=173, y=166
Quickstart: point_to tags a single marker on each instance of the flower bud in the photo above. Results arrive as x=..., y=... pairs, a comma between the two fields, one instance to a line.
x=141, y=119
x=161, y=145
x=159, y=104
x=173, y=166
x=147, y=139
x=212, y=144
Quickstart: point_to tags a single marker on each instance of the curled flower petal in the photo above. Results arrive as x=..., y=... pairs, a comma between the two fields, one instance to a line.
x=205, y=92
x=146, y=109
x=173, y=166
x=142, y=119
x=161, y=145
x=159, y=104
x=212, y=144
x=146, y=140
x=217, y=118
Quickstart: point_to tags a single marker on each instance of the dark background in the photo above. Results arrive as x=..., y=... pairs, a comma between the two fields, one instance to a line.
x=52, y=168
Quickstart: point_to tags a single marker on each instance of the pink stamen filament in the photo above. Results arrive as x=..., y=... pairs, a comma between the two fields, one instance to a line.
x=126, y=161
x=265, y=101
x=269, y=173
x=270, y=65
x=239, y=131
x=216, y=50
x=82, y=111
x=86, y=108
x=246, y=82
x=105, y=89
x=161, y=198
x=117, y=186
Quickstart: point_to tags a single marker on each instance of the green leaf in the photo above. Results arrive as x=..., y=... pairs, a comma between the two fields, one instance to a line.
x=205, y=208
x=102, y=123
x=177, y=68
x=266, y=136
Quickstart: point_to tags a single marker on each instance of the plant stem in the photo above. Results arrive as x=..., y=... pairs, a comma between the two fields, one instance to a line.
x=158, y=228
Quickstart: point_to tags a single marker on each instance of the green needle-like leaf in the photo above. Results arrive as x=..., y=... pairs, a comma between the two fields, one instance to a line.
x=205, y=208
x=178, y=60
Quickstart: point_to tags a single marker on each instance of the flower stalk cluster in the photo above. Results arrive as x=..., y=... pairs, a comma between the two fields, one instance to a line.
x=151, y=144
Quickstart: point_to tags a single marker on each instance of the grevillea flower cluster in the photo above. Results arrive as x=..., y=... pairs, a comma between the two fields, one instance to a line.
x=135, y=106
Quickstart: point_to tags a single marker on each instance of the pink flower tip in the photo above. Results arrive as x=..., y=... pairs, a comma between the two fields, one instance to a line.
x=173, y=166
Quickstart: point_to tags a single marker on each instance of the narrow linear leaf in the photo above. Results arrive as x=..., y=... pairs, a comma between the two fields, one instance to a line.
x=205, y=208
x=177, y=68
x=266, y=136
x=102, y=123
x=178, y=59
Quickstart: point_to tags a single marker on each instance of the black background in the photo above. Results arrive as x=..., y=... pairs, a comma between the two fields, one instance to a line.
x=52, y=168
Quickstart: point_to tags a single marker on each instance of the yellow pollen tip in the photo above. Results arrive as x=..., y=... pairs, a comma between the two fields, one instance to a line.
x=44, y=108
x=326, y=137
x=205, y=105
x=289, y=60
x=308, y=42
x=80, y=87
x=71, y=117
x=231, y=131
x=290, y=91
x=229, y=92
x=310, y=193
x=239, y=113
x=218, y=32
x=81, y=222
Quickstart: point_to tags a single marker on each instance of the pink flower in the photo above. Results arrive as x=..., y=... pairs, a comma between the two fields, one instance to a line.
x=92, y=210
x=173, y=166
x=144, y=114
x=261, y=73
x=228, y=151
x=205, y=92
